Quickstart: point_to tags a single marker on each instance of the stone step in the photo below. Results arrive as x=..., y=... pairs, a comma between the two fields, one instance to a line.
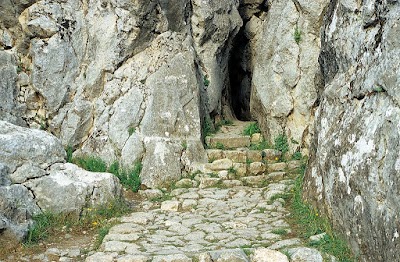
x=244, y=155
x=228, y=141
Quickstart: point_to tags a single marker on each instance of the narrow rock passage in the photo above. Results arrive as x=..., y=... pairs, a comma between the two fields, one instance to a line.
x=228, y=210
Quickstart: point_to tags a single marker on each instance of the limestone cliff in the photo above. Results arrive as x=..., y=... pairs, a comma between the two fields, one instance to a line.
x=355, y=162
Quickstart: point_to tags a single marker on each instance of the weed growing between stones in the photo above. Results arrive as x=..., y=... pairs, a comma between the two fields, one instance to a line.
x=47, y=223
x=308, y=222
x=251, y=129
x=297, y=35
x=130, y=179
x=131, y=130
x=260, y=146
x=297, y=156
x=280, y=231
x=209, y=128
x=281, y=144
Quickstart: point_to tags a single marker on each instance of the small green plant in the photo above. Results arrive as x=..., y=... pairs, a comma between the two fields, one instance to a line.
x=90, y=163
x=262, y=210
x=260, y=146
x=131, y=130
x=284, y=196
x=164, y=197
x=378, y=89
x=309, y=222
x=232, y=170
x=208, y=127
x=206, y=81
x=220, y=146
x=279, y=231
x=69, y=150
x=47, y=223
x=251, y=129
x=297, y=156
x=129, y=178
x=297, y=35
x=281, y=144
x=184, y=145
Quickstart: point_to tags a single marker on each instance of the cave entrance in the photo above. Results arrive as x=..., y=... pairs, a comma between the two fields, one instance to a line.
x=240, y=77
x=240, y=64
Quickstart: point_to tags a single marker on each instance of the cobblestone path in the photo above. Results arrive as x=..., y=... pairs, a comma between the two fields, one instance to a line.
x=229, y=211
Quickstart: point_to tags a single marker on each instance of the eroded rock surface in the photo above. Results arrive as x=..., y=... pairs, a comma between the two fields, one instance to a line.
x=286, y=71
x=33, y=179
x=354, y=168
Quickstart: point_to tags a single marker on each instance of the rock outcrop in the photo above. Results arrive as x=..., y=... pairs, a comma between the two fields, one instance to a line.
x=123, y=80
x=354, y=167
x=286, y=72
x=34, y=179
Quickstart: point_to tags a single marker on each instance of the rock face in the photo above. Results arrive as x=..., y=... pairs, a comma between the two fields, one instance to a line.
x=285, y=68
x=123, y=80
x=34, y=179
x=354, y=167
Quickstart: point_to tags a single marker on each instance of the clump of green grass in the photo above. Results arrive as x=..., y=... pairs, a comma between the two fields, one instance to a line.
x=69, y=150
x=47, y=223
x=130, y=179
x=251, y=129
x=131, y=130
x=308, y=222
x=280, y=231
x=220, y=146
x=297, y=35
x=206, y=81
x=260, y=146
x=90, y=163
x=208, y=127
x=297, y=156
x=284, y=196
x=281, y=144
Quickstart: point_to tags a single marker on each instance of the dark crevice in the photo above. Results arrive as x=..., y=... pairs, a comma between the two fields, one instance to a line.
x=240, y=71
x=240, y=77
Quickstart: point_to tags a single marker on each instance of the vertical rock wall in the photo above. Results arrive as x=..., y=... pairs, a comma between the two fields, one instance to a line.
x=285, y=68
x=355, y=163
x=123, y=80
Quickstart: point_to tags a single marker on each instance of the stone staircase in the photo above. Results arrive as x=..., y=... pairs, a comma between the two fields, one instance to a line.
x=228, y=210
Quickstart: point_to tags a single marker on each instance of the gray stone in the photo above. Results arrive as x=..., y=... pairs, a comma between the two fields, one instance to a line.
x=25, y=172
x=17, y=206
x=305, y=254
x=172, y=258
x=285, y=243
x=171, y=205
x=268, y=255
x=220, y=164
x=100, y=257
x=229, y=255
x=19, y=145
x=69, y=189
x=4, y=175
x=134, y=258
x=8, y=88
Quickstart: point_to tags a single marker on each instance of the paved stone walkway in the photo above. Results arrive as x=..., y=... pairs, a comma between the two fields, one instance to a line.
x=229, y=211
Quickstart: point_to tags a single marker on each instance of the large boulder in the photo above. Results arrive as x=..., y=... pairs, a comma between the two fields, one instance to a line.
x=354, y=168
x=17, y=206
x=68, y=189
x=286, y=71
x=19, y=145
x=34, y=179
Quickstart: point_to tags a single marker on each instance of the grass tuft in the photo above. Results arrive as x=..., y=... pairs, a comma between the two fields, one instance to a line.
x=251, y=129
x=47, y=223
x=308, y=222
